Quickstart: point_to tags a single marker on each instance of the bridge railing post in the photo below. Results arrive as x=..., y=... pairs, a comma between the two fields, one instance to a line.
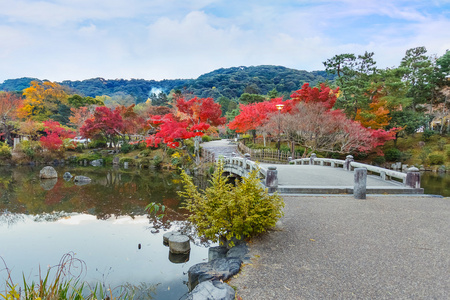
x=312, y=158
x=347, y=163
x=360, y=186
x=412, y=179
x=271, y=181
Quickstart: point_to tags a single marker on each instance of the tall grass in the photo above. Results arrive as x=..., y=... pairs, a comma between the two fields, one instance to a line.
x=63, y=281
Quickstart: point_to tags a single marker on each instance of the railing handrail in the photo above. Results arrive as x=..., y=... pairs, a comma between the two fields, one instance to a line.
x=410, y=179
x=383, y=172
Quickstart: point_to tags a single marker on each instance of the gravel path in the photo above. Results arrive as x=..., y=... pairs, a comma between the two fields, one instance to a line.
x=336, y=247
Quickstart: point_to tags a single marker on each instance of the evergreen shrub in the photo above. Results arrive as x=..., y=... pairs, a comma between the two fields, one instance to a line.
x=427, y=134
x=226, y=211
x=393, y=154
x=5, y=151
x=379, y=160
x=206, y=138
x=436, y=159
x=126, y=148
x=98, y=143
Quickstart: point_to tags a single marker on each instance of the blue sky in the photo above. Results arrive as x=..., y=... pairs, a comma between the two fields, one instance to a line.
x=166, y=39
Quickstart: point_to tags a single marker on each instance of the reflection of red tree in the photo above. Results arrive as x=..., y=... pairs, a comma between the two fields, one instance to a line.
x=57, y=193
x=171, y=203
x=129, y=187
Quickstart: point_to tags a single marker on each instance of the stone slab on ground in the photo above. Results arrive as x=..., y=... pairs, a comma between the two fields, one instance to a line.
x=217, y=269
x=212, y=290
x=337, y=247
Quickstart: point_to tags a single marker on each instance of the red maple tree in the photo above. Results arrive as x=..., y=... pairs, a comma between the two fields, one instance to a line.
x=132, y=122
x=55, y=135
x=323, y=94
x=105, y=123
x=308, y=118
x=191, y=120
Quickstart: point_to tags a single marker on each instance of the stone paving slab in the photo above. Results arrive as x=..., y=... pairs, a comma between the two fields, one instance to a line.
x=336, y=247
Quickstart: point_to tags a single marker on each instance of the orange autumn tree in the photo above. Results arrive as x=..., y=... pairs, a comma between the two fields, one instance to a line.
x=377, y=115
x=79, y=116
x=42, y=100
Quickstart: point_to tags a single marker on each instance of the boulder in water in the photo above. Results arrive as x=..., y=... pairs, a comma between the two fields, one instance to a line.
x=48, y=173
x=81, y=180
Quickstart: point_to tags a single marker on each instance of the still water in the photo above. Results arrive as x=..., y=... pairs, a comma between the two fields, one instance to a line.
x=103, y=224
x=436, y=183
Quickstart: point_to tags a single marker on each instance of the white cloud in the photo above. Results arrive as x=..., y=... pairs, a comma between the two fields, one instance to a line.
x=63, y=39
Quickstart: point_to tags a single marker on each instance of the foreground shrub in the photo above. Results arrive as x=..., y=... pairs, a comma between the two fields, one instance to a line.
x=223, y=210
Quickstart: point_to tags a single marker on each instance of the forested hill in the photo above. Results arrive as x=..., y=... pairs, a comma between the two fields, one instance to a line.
x=140, y=89
x=227, y=82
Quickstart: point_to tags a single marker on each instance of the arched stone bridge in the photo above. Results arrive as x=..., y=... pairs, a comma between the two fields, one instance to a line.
x=315, y=175
x=325, y=176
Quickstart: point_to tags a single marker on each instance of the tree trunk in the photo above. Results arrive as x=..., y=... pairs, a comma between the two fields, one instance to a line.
x=197, y=149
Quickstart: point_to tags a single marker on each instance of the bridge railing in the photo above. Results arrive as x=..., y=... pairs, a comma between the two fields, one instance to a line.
x=410, y=179
x=243, y=165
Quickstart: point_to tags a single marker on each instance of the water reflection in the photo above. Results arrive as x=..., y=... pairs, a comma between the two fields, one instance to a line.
x=436, y=183
x=111, y=191
x=103, y=222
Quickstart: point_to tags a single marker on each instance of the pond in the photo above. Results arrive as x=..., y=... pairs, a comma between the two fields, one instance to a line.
x=102, y=225
x=436, y=183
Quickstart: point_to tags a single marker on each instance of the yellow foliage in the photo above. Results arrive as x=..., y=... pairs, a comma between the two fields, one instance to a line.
x=376, y=117
x=41, y=99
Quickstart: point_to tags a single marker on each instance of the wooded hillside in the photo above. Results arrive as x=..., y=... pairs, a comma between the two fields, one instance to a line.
x=229, y=82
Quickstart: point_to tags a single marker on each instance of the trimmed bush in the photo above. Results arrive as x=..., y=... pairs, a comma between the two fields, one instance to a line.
x=99, y=143
x=206, y=138
x=157, y=160
x=427, y=134
x=392, y=154
x=285, y=148
x=145, y=153
x=436, y=159
x=126, y=159
x=126, y=148
x=379, y=160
